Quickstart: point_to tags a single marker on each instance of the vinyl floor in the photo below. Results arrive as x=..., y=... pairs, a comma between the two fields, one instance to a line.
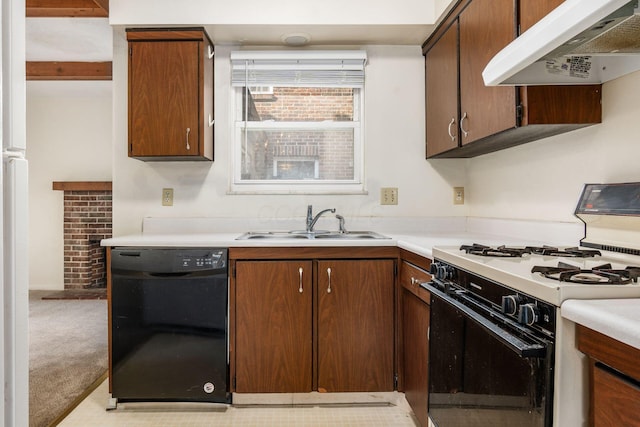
x=92, y=412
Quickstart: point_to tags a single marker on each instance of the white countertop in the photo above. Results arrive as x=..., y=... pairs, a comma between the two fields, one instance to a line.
x=419, y=244
x=418, y=235
x=619, y=318
x=616, y=318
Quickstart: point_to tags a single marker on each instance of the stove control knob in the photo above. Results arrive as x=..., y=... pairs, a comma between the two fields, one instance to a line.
x=442, y=272
x=433, y=269
x=528, y=314
x=510, y=304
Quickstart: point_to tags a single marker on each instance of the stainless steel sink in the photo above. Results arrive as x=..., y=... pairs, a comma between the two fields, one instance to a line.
x=301, y=234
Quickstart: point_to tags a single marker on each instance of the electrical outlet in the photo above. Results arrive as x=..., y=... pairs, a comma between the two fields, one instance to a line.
x=167, y=197
x=389, y=196
x=458, y=195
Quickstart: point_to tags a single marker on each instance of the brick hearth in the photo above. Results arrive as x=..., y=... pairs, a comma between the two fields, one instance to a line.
x=87, y=220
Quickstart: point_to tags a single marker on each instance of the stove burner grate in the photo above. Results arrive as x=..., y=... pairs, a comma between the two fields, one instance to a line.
x=601, y=275
x=511, y=252
x=574, y=252
x=499, y=251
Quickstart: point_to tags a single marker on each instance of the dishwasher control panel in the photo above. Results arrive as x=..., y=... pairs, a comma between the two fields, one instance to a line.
x=169, y=260
x=192, y=261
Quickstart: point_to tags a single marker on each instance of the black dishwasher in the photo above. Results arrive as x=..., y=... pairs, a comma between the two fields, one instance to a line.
x=169, y=324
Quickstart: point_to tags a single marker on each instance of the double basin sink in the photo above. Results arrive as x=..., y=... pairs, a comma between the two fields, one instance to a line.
x=303, y=234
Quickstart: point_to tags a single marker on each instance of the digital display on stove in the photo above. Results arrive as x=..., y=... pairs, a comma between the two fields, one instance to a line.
x=610, y=199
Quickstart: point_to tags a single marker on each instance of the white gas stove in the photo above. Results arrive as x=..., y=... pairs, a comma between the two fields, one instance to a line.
x=517, y=273
x=503, y=303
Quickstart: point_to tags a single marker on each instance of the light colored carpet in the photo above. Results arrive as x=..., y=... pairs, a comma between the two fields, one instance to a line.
x=67, y=353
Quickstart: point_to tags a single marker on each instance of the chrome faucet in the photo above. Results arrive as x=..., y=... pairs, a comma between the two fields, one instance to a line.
x=311, y=220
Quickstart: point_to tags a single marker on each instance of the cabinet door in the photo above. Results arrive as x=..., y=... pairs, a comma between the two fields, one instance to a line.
x=164, y=98
x=355, y=325
x=486, y=26
x=441, y=86
x=273, y=326
x=616, y=399
x=531, y=11
x=415, y=354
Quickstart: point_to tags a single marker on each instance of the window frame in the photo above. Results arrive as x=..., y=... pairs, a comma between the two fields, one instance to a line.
x=237, y=185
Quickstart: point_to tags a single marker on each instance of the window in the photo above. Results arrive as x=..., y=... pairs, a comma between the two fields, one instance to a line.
x=298, y=121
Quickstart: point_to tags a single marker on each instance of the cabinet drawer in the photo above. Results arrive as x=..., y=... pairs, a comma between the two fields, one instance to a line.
x=411, y=277
x=616, y=399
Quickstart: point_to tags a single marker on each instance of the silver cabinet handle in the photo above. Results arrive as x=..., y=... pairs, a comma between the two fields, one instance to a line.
x=188, y=132
x=453, y=122
x=329, y=274
x=300, y=270
x=414, y=281
x=461, y=122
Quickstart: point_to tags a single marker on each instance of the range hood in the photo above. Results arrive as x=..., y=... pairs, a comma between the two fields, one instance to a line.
x=579, y=42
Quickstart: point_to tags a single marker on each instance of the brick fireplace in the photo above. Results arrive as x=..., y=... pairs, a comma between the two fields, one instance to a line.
x=87, y=220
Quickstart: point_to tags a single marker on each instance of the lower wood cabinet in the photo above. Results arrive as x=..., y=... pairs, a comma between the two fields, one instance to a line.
x=355, y=325
x=312, y=324
x=273, y=326
x=415, y=339
x=614, y=376
x=616, y=399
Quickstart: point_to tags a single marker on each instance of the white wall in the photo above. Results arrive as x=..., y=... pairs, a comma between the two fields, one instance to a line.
x=68, y=139
x=543, y=179
x=394, y=156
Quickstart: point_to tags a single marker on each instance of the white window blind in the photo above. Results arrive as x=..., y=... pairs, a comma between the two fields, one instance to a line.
x=341, y=68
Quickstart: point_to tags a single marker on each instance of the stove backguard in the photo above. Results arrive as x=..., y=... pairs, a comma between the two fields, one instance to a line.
x=611, y=217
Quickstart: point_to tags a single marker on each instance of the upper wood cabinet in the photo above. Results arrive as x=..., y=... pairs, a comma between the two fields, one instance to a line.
x=170, y=94
x=531, y=11
x=484, y=110
x=464, y=118
x=442, y=92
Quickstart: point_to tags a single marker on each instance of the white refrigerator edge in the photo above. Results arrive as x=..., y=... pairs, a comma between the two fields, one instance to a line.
x=14, y=298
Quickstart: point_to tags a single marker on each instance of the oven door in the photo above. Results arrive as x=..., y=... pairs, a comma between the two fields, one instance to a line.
x=483, y=374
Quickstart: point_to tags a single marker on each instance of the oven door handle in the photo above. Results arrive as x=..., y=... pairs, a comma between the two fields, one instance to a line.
x=522, y=348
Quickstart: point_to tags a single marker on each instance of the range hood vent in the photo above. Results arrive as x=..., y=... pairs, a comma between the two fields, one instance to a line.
x=580, y=42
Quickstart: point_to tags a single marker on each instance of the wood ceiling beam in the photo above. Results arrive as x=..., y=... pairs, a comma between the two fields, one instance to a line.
x=67, y=8
x=43, y=70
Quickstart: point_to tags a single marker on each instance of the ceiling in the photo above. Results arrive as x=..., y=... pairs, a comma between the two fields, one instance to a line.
x=68, y=39
x=66, y=31
x=64, y=40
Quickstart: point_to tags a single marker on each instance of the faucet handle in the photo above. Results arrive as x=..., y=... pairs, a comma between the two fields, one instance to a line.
x=341, y=228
